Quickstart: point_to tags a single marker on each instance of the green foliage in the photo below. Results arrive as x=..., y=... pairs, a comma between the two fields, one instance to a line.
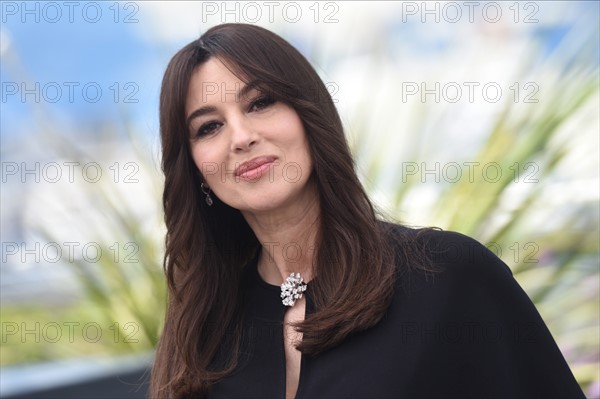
x=124, y=291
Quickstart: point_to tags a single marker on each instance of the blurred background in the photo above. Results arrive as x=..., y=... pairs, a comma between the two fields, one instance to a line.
x=478, y=117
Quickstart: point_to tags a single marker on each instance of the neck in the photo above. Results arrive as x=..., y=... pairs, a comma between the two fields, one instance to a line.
x=287, y=237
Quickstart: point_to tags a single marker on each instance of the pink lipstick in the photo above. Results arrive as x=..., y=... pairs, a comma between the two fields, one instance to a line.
x=254, y=168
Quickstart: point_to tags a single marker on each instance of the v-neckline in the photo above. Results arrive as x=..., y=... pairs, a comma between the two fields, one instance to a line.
x=274, y=291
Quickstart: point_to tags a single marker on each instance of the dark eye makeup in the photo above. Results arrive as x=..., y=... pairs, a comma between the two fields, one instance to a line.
x=208, y=128
x=259, y=104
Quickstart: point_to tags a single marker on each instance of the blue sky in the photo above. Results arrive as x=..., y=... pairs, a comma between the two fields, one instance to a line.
x=106, y=45
x=63, y=58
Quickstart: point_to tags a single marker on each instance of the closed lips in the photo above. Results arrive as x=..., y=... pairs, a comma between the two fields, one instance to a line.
x=254, y=163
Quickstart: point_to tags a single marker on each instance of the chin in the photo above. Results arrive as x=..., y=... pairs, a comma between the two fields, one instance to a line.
x=260, y=206
x=265, y=202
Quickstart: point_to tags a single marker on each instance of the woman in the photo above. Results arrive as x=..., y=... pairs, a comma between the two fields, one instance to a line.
x=282, y=281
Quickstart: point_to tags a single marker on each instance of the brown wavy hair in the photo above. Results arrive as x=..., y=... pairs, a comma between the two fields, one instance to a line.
x=207, y=247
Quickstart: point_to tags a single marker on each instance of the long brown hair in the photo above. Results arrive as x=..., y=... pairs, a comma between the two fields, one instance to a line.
x=207, y=247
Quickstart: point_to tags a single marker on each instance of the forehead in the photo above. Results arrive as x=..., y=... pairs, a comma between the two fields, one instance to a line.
x=213, y=70
x=212, y=81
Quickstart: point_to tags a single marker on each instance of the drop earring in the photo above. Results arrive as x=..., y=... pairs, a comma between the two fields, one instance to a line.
x=206, y=190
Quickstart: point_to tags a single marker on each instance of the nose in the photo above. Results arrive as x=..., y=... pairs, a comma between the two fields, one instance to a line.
x=243, y=136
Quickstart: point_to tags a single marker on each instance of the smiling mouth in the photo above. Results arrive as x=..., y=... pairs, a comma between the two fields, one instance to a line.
x=254, y=168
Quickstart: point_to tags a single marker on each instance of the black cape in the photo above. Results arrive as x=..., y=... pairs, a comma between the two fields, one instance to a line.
x=468, y=332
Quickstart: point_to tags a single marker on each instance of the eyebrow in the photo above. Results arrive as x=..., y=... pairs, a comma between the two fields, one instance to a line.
x=210, y=109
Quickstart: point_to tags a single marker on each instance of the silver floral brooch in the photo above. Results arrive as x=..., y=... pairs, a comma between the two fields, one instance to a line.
x=292, y=289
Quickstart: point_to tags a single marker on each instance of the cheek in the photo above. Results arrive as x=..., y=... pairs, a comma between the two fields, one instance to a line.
x=209, y=157
x=203, y=160
x=294, y=133
x=197, y=156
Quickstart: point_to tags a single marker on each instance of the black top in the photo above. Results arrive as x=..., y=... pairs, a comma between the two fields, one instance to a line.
x=469, y=332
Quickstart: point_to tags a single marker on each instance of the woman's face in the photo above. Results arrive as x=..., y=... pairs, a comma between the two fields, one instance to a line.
x=251, y=150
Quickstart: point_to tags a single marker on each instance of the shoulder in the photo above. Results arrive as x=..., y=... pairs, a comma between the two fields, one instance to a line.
x=448, y=261
x=473, y=318
x=445, y=250
x=463, y=279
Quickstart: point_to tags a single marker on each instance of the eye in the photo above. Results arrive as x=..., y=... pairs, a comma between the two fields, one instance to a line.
x=261, y=103
x=208, y=128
